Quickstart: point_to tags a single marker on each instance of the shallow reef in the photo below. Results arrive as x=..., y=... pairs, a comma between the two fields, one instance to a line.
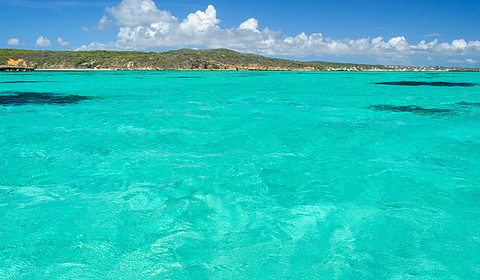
x=474, y=104
x=39, y=98
x=411, y=109
x=435, y=84
x=23, y=82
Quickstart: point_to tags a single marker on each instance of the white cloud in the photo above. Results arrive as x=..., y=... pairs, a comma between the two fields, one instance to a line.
x=200, y=22
x=15, y=42
x=432, y=35
x=139, y=13
x=459, y=44
x=249, y=24
x=142, y=26
x=43, y=42
x=104, y=23
x=467, y=61
x=97, y=46
x=62, y=42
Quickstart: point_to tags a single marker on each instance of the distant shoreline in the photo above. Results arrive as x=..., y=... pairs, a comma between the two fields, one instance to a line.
x=245, y=70
x=183, y=60
x=21, y=69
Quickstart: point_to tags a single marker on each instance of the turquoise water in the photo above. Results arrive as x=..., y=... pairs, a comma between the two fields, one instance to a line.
x=239, y=175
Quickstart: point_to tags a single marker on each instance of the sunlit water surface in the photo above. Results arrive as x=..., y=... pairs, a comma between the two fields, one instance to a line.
x=239, y=175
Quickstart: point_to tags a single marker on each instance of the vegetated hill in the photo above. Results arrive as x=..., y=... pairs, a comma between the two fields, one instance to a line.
x=183, y=59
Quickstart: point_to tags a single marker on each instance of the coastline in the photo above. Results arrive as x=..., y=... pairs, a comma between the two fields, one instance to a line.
x=255, y=69
x=184, y=60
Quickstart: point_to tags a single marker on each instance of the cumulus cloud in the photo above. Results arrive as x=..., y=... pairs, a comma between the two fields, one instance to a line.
x=143, y=26
x=200, y=22
x=43, y=42
x=62, y=42
x=249, y=24
x=135, y=13
x=15, y=42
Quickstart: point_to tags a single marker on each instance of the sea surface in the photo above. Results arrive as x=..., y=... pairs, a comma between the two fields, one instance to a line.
x=239, y=175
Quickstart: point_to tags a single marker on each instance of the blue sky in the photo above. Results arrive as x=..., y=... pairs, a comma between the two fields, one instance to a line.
x=387, y=32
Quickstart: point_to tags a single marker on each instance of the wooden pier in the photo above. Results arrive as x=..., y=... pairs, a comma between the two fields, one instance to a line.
x=10, y=68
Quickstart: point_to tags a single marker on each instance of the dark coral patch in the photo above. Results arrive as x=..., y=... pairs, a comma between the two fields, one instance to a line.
x=474, y=104
x=25, y=98
x=411, y=109
x=435, y=84
x=24, y=82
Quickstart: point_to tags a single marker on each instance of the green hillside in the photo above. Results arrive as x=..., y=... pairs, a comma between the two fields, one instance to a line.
x=178, y=59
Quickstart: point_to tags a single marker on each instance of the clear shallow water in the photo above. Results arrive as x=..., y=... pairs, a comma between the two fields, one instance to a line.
x=239, y=175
